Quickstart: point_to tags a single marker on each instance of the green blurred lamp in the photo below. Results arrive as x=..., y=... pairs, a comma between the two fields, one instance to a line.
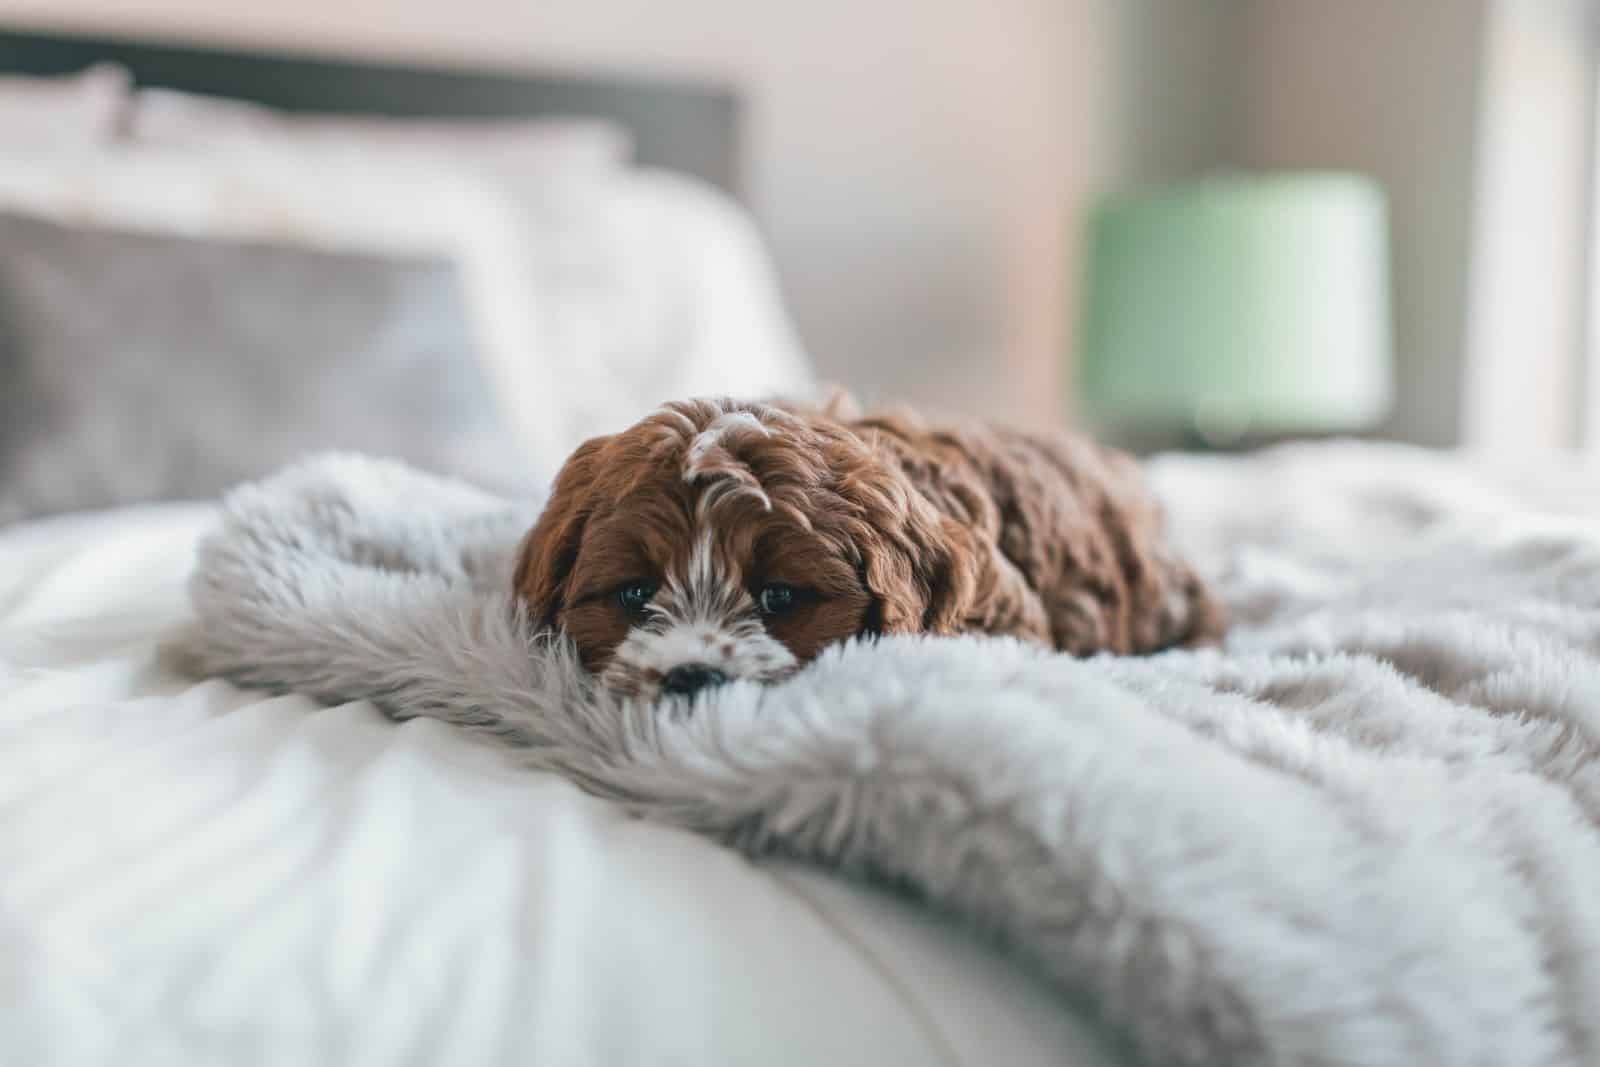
x=1239, y=309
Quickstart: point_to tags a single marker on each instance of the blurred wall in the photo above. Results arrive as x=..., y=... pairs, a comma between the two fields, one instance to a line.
x=914, y=162
x=1172, y=102
x=1533, y=227
x=1391, y=89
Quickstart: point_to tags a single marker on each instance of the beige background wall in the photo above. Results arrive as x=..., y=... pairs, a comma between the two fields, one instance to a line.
x=911, y=160
x=1384, y=87
x=1391, y=89
x=1172, y=103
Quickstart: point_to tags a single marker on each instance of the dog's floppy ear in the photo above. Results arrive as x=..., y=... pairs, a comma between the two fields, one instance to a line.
x=548, y=552
x=920, y=567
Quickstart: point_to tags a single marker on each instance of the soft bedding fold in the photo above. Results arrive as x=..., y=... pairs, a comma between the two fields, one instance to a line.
x=199, y=874
x=1362, y=833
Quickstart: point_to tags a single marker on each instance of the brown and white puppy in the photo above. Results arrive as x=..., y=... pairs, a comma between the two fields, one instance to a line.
x=718, y=540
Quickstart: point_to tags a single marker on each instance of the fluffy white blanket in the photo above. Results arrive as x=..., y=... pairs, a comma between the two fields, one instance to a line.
x=1362, y=833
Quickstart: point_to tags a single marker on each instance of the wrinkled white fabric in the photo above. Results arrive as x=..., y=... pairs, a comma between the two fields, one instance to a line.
x=1361, y=833
x=193, y=874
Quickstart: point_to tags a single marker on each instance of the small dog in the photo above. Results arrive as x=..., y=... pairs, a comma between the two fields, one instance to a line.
x=719, y=540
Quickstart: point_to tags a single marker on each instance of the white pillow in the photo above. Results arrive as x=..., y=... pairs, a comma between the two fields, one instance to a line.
x=645, y=286
x=70, y=110
x=149, y=367
x=332, y=208
x=655, y=286
x=596, y=298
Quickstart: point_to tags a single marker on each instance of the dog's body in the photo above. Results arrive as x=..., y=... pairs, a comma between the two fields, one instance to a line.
x=1070, y=545
x=719, y=540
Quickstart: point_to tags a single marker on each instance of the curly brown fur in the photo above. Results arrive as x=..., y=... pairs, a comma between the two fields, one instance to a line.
x=865, y=525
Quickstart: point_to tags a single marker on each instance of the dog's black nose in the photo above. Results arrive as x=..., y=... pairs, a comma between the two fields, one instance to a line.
x=690, y=678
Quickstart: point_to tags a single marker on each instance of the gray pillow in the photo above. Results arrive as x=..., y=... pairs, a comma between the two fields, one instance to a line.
x=138, y=367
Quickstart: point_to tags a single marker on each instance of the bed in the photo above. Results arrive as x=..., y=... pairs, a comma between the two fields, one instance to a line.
x=196, y=873
x=1362, y=832
x=200, y=875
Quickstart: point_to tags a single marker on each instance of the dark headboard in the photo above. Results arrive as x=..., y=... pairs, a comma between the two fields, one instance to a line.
x=679, y=125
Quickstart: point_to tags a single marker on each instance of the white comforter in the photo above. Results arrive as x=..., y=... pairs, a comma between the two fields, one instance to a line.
x=1360, y=833
x=194, y=874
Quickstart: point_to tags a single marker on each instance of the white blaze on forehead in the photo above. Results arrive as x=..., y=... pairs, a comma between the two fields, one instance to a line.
x=700, y=577
x=711, y=438
x=697, y=592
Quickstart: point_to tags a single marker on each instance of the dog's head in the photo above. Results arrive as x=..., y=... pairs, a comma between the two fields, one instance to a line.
x=719, y=540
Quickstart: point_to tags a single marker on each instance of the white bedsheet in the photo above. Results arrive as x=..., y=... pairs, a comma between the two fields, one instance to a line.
x=195, y=874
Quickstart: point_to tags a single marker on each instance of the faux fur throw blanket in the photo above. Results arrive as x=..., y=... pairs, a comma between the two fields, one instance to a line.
x=1364, y=833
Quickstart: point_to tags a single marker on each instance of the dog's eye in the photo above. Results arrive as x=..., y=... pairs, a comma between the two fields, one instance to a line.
x=634, y=596
x=776, y=598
